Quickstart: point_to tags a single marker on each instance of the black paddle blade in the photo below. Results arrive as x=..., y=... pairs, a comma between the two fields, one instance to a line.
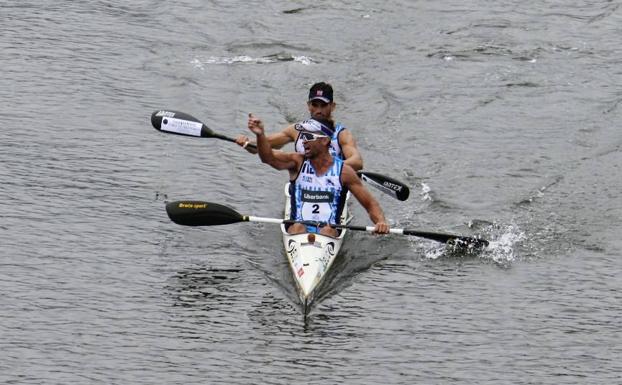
x=468, y=242
x=180, y=123
x=454, y=240
x=199, y=213
x=386, y=184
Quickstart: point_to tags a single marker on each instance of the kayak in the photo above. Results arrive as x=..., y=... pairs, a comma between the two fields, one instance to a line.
x=311, y=256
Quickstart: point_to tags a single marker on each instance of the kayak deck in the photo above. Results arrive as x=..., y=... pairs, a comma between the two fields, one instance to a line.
x=310, y=259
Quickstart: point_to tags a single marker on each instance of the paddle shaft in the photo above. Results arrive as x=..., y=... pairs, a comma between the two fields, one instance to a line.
x=229, y=139
x=369, y=229
x=439, y=237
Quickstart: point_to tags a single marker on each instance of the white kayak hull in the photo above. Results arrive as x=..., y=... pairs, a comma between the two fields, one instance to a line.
x=310, y=256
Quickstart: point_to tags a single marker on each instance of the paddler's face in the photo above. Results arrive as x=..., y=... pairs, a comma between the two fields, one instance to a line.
x=315, y=146
x=320, y=110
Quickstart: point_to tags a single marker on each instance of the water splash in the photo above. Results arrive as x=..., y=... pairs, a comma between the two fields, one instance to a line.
x=245, y=59
x=501, y=250
x=425, y=192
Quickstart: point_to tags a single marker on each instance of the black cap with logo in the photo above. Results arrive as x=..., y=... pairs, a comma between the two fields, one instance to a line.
x=321, y=91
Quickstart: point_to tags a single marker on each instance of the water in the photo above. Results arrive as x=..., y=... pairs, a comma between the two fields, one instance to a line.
x=502, y=117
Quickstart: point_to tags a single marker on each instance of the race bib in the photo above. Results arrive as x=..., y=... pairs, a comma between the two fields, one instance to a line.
x=316, y=205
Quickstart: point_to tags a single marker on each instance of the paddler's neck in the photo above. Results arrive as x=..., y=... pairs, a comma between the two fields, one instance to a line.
x=321, y=163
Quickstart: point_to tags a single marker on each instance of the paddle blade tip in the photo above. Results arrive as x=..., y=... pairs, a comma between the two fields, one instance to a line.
x=472, y=243
x=158, y=115
x=403, y=194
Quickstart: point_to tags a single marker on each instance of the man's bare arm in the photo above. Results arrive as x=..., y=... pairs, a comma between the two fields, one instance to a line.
x=276, y=140
x=365, y=198
x=277, y=159
x=350, y=150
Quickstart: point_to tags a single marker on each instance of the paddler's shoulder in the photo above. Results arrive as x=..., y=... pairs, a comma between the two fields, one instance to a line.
x=290, y=132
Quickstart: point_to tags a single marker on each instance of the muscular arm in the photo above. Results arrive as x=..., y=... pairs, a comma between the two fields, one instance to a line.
x=365, y=198
x=350, y=150
x=277, y=159
x=281, y=138
x=276, y=140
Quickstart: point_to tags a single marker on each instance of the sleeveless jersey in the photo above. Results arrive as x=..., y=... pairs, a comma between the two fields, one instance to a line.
x=318, y=198
x=335, y=147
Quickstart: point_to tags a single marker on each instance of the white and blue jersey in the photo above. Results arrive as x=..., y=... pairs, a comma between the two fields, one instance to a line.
x=335, y=147
x=318, y=198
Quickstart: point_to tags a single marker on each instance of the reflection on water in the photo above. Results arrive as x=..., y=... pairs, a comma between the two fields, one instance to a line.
x=204, y=287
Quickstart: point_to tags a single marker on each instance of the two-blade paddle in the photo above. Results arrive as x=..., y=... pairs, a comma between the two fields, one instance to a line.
x=200, y=213
x=180, y=123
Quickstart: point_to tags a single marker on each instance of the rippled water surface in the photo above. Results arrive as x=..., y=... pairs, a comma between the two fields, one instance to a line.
x=502, y=117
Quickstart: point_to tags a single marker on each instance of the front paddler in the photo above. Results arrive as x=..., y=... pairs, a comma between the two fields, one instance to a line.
x=319, y=182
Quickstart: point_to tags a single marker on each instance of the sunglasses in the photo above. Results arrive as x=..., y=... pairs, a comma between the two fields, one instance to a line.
x=309, y=137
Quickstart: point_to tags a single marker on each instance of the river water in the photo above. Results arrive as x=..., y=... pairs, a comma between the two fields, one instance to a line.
x=503, y=117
